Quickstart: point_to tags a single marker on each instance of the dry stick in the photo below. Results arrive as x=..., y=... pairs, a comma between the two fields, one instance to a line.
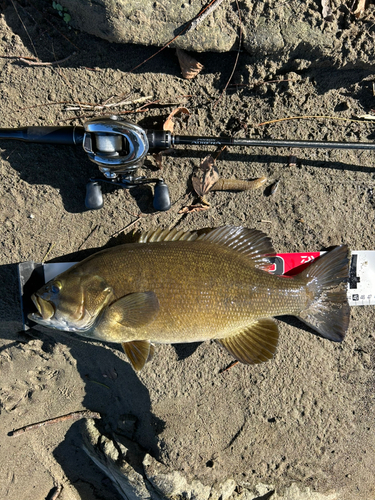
x=57, y=103
x=184, y=30
x=19, y=57
x=238, y=184
x=88, y=236
x=77, y=415
x=264, y=82
x=202, y=16
x=127, y=227
x=236, y=61
x=308, y=117
x=51, y=245
x=98, y=107
x=233, y=363
x=53, y=26
x=39, y=63
x=24, y=27
x=127, y=112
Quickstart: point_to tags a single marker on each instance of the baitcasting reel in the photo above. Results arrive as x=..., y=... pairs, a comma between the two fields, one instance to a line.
x=119, y=147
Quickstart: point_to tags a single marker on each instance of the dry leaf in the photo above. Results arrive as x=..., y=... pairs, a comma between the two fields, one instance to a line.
x=190, y=67
x=326, y=10
x=205, y=177
x=361, y=6
x=238, y=184
x=169, y=123
x=158, y=157
x=199, y=207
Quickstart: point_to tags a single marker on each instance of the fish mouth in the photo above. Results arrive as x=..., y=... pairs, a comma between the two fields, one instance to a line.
x=45, y=309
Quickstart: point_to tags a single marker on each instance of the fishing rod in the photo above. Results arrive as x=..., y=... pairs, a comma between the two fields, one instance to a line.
x=119, y=147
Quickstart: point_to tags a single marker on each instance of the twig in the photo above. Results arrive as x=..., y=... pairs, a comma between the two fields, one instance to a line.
x=233, y=363
x=24, y=27
x=238, y=184
x=308, y=117
x=88, y=236
x=127, y=227
x=237, y=57
x=19, y=57
x=77, y=415
x=127, y=112
x=263, y=82
x=97, y=107
x=184, y=30
x=202, y=15
x=40, y=63
x=53, y=26
x=44, y=104
x=48, y=251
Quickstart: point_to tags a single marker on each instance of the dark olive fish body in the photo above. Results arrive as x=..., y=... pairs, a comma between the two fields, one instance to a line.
x=176, y=287
x=202, y=295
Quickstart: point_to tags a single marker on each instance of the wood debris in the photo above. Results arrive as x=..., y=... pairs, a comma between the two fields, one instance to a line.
x=367, y=117
x=238, y=184
x=77, y=415
x=190, y=67
x=206, y=178
x=326, y=10
x=361, y=7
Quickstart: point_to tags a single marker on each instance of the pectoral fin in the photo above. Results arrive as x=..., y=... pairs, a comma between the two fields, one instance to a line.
x=134, y=310
x=254, y=344
x=139, y=352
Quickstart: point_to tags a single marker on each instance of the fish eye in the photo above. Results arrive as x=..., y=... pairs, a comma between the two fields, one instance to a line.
x=55, y=287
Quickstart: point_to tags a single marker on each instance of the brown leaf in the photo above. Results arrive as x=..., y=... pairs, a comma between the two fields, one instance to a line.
x=190, y=67
x=169, y=123
x=206, y=176
x=158, y=157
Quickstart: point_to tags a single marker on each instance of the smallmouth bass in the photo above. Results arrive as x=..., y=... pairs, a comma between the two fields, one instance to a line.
x=177, y=287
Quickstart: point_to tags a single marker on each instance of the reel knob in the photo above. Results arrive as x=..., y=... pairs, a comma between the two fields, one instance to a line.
x=162, y=201
x=94, y=196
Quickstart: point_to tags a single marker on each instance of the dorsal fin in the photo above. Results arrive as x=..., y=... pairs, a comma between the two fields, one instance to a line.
x=155, y=235
x=250, y=242
x=253, y=243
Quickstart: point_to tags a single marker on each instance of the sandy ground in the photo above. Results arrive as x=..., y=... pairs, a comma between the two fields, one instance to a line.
x=306, y=416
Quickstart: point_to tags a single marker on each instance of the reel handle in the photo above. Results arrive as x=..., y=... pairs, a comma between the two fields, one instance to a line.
x=162, y=200
x=94, y=196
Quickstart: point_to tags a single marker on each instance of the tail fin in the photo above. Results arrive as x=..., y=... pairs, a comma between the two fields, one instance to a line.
x=329, y=310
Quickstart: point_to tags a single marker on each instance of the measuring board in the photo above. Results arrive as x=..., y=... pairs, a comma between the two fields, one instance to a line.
x=361, y=282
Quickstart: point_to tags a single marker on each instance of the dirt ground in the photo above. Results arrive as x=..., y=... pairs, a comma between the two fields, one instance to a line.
x=306, y=417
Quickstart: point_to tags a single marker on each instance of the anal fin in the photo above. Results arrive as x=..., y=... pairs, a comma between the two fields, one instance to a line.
x=254, y=344
x=138, y=352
